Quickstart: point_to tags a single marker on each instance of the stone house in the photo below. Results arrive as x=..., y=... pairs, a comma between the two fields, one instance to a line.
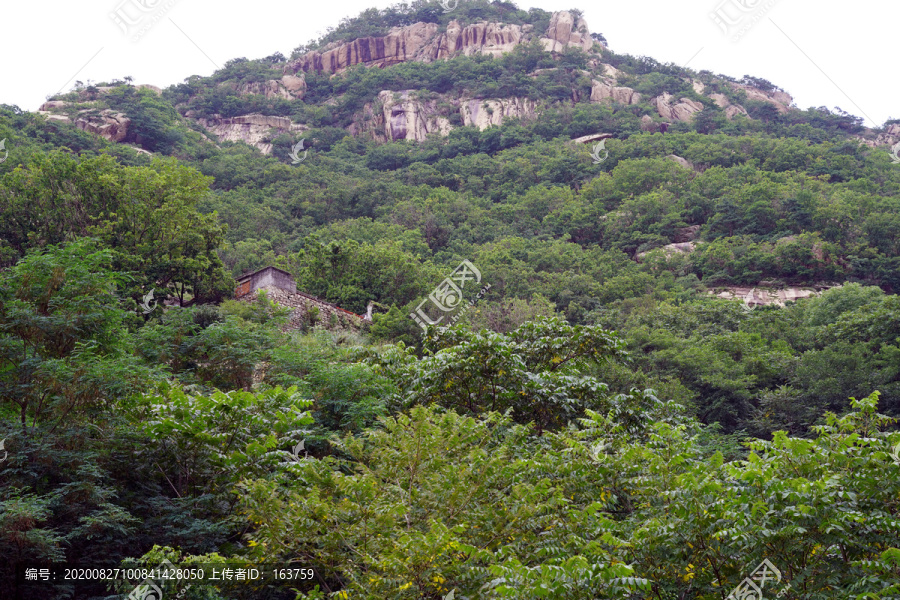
x=306, y=310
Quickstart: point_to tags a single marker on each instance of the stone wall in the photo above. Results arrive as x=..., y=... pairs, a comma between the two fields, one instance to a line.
x=301, y=304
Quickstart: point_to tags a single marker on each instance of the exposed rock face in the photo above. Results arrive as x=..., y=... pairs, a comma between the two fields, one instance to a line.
x=889, y=137
x=763, y=296
x=780, y=100
x=400, y=45
x=422, y=42
x=683, y=110
x=601, y=91
x=681, y=161
x=566, y=31
x=594, y=137
x=403, y=116
x=484, y=113
x=255, y=130
x=52, y=105
x=479, y=38
x=289, y=87
x=108, y=124
x=406, y=118
x=731, y=110
x=610, y=71
x=686, y=234
x=669, y=250
x=648, y=124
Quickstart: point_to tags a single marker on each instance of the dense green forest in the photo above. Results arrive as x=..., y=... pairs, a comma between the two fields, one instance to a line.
x=602, y=424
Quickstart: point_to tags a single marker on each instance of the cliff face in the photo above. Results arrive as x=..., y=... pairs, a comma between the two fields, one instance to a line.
x=289, y=87
x=566, y=30
x=780, y=100
x=105, y=123
x=255, y=130
x=889, y=137
x=411, y=115
x=423, y=43
x=405, y=116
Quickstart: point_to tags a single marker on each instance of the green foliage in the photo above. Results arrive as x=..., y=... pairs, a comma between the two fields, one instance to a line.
x=438, y=502
x=209, y=442
x=63, y=349
x=531, y=372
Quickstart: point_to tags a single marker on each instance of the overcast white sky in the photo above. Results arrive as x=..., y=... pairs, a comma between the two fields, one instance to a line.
x=823, y=53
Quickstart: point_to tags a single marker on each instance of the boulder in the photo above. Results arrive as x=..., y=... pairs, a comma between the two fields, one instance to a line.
x=730, y=109
x=601, y=91
x=108, y=124
x=565, y=31
x=780, y=100
x=683, y=110
x=681, y=161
